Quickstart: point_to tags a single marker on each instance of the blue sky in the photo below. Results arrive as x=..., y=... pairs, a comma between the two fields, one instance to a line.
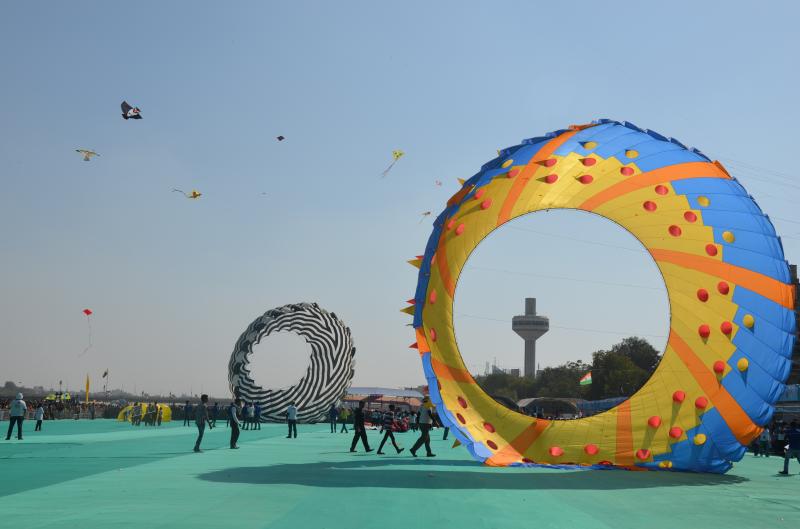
x=174, y=282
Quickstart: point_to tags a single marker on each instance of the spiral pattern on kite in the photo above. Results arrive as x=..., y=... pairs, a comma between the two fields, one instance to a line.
x=327, y=378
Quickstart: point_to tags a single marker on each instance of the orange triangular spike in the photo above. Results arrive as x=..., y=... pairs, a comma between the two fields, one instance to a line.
x=412, y=301
x=409, y=310
x=461, y=181
x=415, y=262
x=457, y=443
x=413, y=346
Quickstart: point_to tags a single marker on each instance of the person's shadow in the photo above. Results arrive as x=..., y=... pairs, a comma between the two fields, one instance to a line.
x=390, y=473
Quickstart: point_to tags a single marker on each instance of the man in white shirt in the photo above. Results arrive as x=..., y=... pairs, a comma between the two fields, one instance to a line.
x=233, y=420
x=291, y=418
x=39, y=416
x=425, y=424
x=16, y=415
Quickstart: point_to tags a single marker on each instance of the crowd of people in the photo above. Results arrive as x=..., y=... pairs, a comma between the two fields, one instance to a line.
x=18, y=410
x=150, y=414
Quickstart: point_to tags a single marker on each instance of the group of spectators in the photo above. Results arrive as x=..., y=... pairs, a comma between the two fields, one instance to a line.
x=150, y=414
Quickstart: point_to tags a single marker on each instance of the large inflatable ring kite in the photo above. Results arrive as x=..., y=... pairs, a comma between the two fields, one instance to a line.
x=328, y=376
x=731, y=325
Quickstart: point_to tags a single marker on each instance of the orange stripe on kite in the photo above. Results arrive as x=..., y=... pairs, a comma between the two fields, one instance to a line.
x=445, y=372
x=734, y=416
x=667, y=174
x=512, y=452
x=444, y=267
x=768, y=287
x=528, y=172
x=422, y=342
x=624, y=450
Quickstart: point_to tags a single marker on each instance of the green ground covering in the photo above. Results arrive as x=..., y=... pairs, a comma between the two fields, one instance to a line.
x=104, y=474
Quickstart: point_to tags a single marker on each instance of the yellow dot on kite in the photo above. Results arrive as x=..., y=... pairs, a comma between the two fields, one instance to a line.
x=742, y=364
x=507, y=163
x=703, y=201
x=749, y=321
x=589, y=145
x=631, y=153
x=728, y=236
x=700, y=439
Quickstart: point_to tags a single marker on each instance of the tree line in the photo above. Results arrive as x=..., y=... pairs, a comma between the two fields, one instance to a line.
x=618, y=372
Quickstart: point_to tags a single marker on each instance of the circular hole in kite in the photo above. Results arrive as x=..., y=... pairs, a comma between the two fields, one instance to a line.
x=280, y=360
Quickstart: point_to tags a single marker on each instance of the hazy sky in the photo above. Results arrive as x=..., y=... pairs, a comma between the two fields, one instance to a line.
x=173, y=282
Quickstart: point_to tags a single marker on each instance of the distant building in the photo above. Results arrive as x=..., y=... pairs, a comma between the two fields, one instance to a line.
x=530, y=327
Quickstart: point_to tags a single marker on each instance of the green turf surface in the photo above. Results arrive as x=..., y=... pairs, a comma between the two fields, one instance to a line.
x=104, y=474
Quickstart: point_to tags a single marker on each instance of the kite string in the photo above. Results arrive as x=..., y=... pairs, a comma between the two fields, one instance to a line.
x=89, y=324
x=386, y=171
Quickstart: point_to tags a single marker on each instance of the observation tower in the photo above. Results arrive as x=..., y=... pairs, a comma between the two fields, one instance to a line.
x=530, y=327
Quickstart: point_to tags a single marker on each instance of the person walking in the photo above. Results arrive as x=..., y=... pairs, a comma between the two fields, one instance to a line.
x=425, y=423
x=344, y=414
x=201, y=419
x=256, y=416
x=291, y=419
x=360, y=431
x=764, y=442
x=333, y=414
x=233, y=420
x=39, y=416
x=187, y=412
x=214, y=413
x=388, y=431
x=16, y=416
x=792, y=449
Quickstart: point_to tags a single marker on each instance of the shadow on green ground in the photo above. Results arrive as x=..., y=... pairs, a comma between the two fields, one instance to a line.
x=386, y=474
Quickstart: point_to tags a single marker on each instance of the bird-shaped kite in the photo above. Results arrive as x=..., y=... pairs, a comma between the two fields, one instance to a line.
x=438, y=183
x=194, y=195
x=424, y=214
x=87, y=154
x=396, y=155
x=280, y=138
x=129, y=112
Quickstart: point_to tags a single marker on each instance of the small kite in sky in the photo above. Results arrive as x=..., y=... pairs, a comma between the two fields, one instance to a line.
x=396, y=155
x=438, y=183
x=129, y=112
x=88, y=313
x=87, y=154
x=194, y=195
x=280, y=138
x=424, y=214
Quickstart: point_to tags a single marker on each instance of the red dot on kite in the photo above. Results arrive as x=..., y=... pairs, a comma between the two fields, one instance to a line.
x=591, y=449
x=432, y=297
x=702, y=295
x=701, y=403
x=550, y=162
x=556, y=451
x=514, y=172
x=690, y=216
x=492, y=445
x=586, y=179
x=723, y=288
x=711, y=250
x=719, y=367
x=626, y=171
x=588, y=162
x=489, y=427
x=726, y=327
x=450, y=224
x=551, y=178
x=460, y=229
x=486, y=204
x=704, y=331
x=643, y=453
x=662, y=190
x=654, y=421
x=479, y=193
x=675, y=432
x=462, y=402
x=433, y=334
x=461, y=418
x=675, y=231
x=679, y=396
x=650, y=206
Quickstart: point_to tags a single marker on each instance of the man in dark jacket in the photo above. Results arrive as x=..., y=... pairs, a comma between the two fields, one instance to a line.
x=793, y=448
x=201, y=419
x=359, y=429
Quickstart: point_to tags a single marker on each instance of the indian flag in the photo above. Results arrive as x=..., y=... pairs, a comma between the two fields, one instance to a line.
x=586, y=379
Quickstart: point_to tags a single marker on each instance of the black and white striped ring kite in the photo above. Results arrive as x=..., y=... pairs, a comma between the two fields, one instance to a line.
x=328, y=377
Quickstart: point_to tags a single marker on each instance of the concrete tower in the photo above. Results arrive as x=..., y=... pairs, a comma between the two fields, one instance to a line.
x=530, y=327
